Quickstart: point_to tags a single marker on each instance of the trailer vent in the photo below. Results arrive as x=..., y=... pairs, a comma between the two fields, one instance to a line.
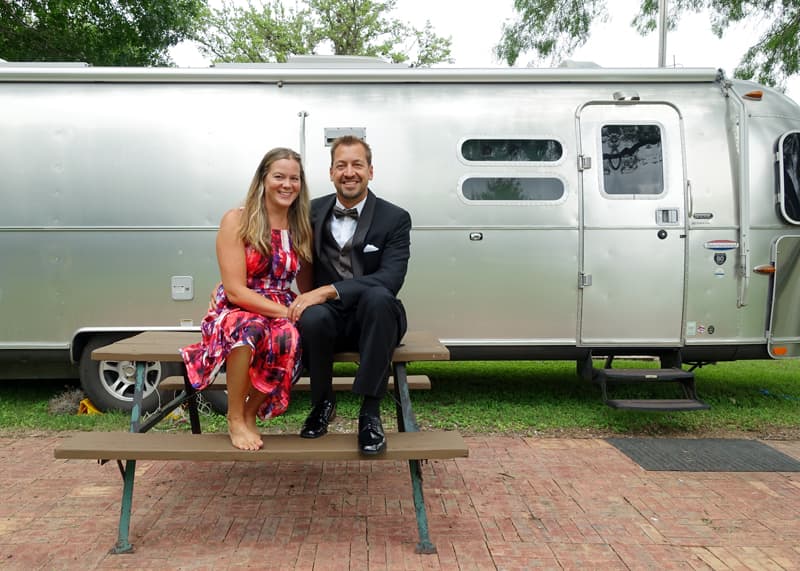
x=625, y=96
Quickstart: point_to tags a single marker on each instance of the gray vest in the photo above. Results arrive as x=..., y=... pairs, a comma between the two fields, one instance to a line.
x=340, y=258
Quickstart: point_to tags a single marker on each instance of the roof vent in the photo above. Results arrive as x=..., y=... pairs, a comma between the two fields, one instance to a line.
x=320, y=62
x=626, y=96
x=572, y=64
x=5, y=63
x=339, y=61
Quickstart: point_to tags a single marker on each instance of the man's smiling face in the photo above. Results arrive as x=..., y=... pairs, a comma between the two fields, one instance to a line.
x=350, y=174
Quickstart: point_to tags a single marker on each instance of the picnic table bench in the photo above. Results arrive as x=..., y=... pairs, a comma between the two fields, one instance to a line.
x=408, y=443
x=418, y=382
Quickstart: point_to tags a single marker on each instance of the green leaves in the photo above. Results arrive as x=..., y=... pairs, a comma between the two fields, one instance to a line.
x=776, y=54
x=139, y=32
x=99, y=32
x=267, y=32
x=553, y=29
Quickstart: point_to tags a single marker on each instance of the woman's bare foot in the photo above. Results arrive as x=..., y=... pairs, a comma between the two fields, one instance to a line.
x=250, y=422
x=242, y=437
x=250, y=413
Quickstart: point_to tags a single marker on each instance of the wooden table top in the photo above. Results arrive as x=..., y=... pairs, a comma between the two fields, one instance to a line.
x=164, y=346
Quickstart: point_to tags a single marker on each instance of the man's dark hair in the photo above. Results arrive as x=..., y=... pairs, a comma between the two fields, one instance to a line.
x=347, y=141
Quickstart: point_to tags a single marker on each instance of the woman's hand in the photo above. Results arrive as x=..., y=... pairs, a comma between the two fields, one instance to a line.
x=212, y=299
x=313, y=297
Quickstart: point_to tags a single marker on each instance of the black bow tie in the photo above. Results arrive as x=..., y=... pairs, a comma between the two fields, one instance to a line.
x=345, y=212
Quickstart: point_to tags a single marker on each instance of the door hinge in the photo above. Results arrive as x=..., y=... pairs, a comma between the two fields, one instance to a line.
x=584, y=163
x=584, y=280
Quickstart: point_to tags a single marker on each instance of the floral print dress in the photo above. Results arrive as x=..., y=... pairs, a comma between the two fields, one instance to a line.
x=275, y=362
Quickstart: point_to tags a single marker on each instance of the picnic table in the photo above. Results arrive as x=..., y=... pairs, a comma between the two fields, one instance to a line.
x=408, y=443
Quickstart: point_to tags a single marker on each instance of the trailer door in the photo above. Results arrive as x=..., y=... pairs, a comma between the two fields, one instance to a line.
x=632, y=226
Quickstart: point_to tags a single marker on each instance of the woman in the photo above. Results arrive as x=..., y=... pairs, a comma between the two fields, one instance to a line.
x=259, y=250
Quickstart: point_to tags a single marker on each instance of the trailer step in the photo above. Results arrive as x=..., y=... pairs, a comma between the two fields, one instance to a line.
x=658, y=405
x=644, y=375
x=669, y=373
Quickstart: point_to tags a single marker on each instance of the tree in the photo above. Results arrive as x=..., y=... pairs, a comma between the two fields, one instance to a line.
x=232, y=33
x=271, y=32
x=554, y=28
x=100, y=32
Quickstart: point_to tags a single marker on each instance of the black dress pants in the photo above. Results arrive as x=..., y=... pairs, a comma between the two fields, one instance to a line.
x=374, y=328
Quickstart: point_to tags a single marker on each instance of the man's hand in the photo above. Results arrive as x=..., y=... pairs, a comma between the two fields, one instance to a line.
x=313, y=297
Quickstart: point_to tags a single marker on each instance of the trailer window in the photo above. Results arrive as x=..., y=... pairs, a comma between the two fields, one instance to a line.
x=512, y=188
x=511, y=150
x=789, y=156
x=633, y=160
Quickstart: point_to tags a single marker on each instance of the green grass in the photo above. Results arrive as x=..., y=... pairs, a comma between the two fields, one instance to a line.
x=542, y=397
x=24, y=407
x=531, y=397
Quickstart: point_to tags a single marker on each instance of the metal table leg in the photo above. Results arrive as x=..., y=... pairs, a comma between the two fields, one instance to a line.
x=407, y=422
x=123, y=544
x=129, y=473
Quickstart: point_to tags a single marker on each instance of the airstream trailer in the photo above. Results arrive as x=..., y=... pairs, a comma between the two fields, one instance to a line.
x=558, y=213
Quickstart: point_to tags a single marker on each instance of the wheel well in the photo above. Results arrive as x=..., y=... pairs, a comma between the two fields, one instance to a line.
x=81, y=338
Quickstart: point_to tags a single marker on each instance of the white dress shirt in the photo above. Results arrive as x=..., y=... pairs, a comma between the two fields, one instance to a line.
x=343, y=228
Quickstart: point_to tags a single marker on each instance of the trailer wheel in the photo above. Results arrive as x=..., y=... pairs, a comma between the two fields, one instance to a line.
x=110, y=384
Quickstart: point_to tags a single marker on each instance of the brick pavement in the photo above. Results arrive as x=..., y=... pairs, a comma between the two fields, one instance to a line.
x=515, y=503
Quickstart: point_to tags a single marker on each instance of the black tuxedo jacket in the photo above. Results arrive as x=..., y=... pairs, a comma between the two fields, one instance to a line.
x=380, y=248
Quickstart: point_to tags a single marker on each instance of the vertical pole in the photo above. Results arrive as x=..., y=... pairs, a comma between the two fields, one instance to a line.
x=401, y=389
x=123, y=544
x=662, y=33
x=425, y=544
x=303, y=115
x=408, y=423
x=743, y=269
x=398, y=402
x=194, y=415
x=138, y=396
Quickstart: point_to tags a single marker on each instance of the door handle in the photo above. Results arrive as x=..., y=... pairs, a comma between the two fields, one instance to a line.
x=667, y=216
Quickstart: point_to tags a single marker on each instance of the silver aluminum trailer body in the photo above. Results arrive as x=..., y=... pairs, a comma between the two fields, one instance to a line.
x=555, y=212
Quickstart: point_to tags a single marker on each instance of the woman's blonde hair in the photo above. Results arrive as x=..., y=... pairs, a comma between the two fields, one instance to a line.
x=255, y=228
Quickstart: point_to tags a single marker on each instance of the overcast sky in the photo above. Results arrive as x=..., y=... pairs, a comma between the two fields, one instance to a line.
x=475, y=27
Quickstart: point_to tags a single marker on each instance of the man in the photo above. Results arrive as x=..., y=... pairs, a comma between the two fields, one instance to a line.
x=361, y=251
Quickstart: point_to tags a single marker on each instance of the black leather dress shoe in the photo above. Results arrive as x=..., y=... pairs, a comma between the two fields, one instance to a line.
x=371, y=439
x=316, y=423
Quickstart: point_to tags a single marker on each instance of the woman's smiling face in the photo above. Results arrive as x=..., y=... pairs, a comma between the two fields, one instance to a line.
x=282, y=184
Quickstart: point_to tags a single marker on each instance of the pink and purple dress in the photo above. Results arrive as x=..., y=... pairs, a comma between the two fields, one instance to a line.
x=275, y=362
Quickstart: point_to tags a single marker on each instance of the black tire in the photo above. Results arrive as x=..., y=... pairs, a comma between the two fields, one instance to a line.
x=110, y=384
